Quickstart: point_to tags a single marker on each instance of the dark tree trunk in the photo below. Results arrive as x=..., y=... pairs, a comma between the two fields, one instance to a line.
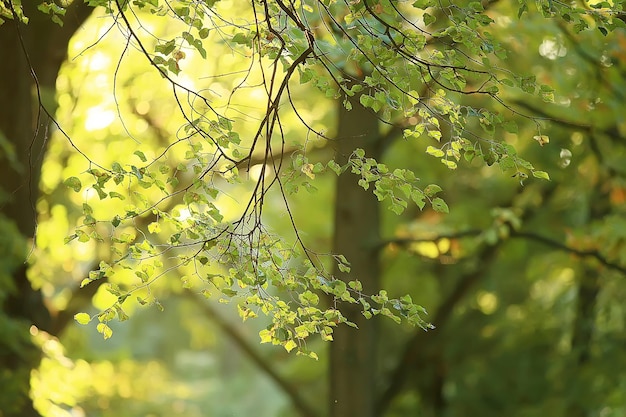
x=30, y=52
x=353, y=352
x=582, y=337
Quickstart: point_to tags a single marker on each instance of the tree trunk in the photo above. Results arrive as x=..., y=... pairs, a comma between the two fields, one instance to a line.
x=582, y=338
x=353, y=352
x=30, y=52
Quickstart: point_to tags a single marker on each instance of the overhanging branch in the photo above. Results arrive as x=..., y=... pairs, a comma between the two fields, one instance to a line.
x=301, y=406
x=563, y=247
x=513, y=234
x=434, y=238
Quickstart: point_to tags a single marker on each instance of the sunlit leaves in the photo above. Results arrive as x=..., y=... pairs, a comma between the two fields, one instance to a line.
x=376, y=102
x=55, y=11
x=547, y=93
x=82, y=318
x=437, y=153
x=140, y=155
x=189, y=203
x=166, y=48
x=428, y=19
x=195, y=42
x=398, y=187
x=527, y=84
x=105, y=330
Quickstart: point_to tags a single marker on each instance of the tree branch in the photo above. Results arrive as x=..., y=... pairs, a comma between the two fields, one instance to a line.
x=517, y=235
x=563, y=247
x=594, y=62
x=411, y=352
x=436, y=238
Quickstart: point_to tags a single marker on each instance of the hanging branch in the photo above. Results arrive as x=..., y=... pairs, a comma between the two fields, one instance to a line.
x=302, y=407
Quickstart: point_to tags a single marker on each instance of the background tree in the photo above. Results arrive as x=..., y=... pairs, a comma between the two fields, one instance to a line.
x=33, y=56
x=398, y=82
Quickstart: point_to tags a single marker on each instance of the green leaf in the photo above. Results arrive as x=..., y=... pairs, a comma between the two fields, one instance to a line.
x=334, y=166
x=266, y=335
x=82, y=318
x=290, y=345
x=428, y=19
x=166, y=48
x=506, y=163
x=73, y=183
x=203, y=33
x=241, y=39
x=435, y=134
x=541, y=174
x=140, y=155
x=397, y=208
x=432, y=189
x=356, y=285
x=366, y=101
x=439, y=205
x=306, y=75
x=450, y=164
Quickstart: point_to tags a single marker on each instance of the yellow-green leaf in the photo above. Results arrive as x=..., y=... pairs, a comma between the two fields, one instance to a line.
x=431, y=150
x=104, y=330
x=265, y=335
x=541, y=174
x=82, y=318
x=542, y=139
x=290, y=345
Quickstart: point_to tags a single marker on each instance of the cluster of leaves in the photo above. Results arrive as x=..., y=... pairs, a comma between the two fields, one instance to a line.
x=398, y=186
x=230, y=260
x=408, y=63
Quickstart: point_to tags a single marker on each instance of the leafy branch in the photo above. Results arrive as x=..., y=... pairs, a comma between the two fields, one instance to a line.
x=393, y=68
x=303, y=408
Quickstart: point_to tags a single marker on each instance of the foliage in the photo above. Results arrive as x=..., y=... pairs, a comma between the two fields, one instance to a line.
x=210, y=240
x=191, y=185
x=398, y=59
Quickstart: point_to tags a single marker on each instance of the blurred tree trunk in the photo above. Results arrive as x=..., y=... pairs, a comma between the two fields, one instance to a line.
x=582, y=338
x=589, y=287
x=353, y=352
x=30, y=52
